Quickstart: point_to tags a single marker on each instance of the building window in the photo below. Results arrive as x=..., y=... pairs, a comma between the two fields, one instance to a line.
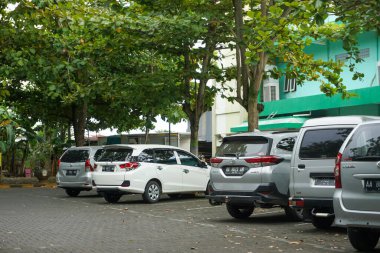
x=270, y=92
x=290, y=84
x=363, y=53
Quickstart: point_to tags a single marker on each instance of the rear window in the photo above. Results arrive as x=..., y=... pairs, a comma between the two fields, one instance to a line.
x=323, y=143
x=244, y=146
x=75, y=156
x=116, y=155
x=364, y=144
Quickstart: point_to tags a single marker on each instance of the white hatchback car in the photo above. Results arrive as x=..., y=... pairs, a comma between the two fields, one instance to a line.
x=150, y=170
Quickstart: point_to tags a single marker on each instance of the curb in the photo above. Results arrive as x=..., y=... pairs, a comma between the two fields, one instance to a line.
x=37, y=185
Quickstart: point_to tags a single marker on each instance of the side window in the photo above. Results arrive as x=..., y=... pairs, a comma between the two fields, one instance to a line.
x=323, y=143
x=364, y=144
x=165, y=156
x=187, y=159
x=98, y=153
x=287, y=144
x=146, y=156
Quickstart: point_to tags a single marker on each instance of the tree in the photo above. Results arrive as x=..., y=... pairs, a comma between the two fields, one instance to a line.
x=191, y=32
x=73, y=61
x=267, y=32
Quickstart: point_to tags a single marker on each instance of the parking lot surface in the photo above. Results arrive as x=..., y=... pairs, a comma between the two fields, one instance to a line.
x=46, y=220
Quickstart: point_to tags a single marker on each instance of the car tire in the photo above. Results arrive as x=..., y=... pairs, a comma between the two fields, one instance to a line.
x=111, y=197
x=72, y=192
x=152, y=192
x=322, y=222
x=240, y=212
x=294, y=214
x=363, y=239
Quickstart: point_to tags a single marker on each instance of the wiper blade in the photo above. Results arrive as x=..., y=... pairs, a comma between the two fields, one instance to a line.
x=232, y=154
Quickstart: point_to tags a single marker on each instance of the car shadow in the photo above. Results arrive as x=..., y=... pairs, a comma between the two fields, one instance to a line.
x=137, y=199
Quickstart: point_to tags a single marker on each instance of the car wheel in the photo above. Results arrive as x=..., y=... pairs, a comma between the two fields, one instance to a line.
x=111, y=197
x=240, y=212
x=294, y=214
x=322, y=222
x=152, y=192
x=72, y=192
x=363, y=239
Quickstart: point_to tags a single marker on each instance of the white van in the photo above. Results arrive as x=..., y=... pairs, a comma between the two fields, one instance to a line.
x=312, y=180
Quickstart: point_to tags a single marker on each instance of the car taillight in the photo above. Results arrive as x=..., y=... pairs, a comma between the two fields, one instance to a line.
x=59, y=163
x=265, y=160
x=215, y=161
x=129, y=166
x=337, y=171
x=87, y=166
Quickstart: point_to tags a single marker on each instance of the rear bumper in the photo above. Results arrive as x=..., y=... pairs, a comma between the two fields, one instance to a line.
x=354, y=218
x=311, y=203
x=264, y=194
x=119, y=189
x=76, y=185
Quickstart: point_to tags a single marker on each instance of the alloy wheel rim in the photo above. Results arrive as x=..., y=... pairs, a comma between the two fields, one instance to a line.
x=153, y=192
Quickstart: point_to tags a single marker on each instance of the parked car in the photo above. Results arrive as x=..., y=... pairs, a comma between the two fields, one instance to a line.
x=252, y=169
x=357, y=186
x=75, y=167
x=312, y=168
x=150, y=170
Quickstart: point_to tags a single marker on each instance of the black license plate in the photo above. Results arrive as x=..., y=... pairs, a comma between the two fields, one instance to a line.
x=71, y=172
x=372, y=185
x=108, y=168
x=234, y=171
x=324, y=181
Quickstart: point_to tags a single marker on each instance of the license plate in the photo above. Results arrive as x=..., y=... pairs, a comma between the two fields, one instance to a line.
x=108, y=168
x=71, y=172
x=234, y=171
x=372, y=185
x=324, y=181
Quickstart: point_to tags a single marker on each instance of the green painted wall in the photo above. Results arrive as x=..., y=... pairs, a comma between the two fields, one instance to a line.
x=328, y=50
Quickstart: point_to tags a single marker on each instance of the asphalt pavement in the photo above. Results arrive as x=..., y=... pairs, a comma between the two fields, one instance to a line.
x=46, y=220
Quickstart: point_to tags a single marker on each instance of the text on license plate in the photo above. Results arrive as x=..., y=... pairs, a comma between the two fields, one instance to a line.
x=234, y=171
x=108, y=168
x=372, y=185
x=325, y=181
x=71, y=172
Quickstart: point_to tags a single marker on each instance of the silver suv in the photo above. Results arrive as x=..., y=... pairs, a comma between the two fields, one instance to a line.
x=75, y=168
x=251, y=170
x=357, y=186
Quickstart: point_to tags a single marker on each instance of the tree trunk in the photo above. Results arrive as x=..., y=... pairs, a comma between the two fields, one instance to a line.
x=194, y=128
x=79, y=118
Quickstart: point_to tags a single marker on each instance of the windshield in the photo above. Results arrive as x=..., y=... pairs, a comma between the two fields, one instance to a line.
x=116, y=155
x=244, y=146
x=75, y=156
x=364, y=144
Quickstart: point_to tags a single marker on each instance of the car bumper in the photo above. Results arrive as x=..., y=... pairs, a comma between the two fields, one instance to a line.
x=76, y=185
x=310, y=203
x=353, y=218
x=264, y=194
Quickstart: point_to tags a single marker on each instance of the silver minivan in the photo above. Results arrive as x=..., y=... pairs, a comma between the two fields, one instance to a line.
x=312, y=168
x=75, y=167
x=357, y=186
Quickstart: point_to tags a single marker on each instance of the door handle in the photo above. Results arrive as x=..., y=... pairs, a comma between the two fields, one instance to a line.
x=301, y=166
x=159, y=167
x=186, y=171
